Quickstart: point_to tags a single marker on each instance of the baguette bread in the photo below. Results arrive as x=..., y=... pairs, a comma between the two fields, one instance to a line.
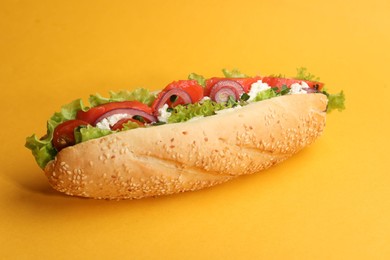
x=188, y=156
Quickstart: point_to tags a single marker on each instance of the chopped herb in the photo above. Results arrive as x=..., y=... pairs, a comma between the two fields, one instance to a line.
x=158, y=123
x=232, y=101
x=284, y=90
x=244, y=97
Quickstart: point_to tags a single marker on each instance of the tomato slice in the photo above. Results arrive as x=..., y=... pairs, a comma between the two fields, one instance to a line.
x=119, y=124
x=279, y=82
x=190, y=88
x=63, y=135
x=244, y=82
x=94, y=113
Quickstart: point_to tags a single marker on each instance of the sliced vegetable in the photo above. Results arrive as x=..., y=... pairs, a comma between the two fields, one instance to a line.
x=63, y=135
x=126, y=110
x=224, y=89
x=132, y=108
x=279, y=82
x=125, y=121
x=219, y=89
x=178, y=93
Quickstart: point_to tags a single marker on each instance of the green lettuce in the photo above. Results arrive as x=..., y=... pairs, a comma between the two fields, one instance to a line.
x=234, y=73
x=129, y=125
x=335, y=101
x=199, y=78
x=303, y=74
x=207, y=108
x=266, y=94
x=140, y=94
x=85, y=133
x=42, y=148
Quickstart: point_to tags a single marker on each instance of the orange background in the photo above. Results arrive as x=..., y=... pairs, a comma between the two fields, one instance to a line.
x=331, y=201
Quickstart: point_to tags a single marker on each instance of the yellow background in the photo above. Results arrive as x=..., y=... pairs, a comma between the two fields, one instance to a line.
x=331, y=201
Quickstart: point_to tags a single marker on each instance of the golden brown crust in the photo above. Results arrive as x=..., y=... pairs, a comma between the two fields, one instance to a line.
x=189, y=156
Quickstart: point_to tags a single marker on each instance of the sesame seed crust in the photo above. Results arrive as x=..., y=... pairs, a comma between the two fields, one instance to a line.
x=188, y=156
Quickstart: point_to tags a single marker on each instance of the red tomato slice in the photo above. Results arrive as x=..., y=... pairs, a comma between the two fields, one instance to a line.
x=244, y=82
x=63, y=135
x=94, y=113
x=119, y=124
x=279, y=82
x=191, y=87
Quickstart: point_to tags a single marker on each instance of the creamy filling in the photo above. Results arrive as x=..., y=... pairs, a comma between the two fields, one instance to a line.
x=163, y=114
x=257, y=87
x=297, y=88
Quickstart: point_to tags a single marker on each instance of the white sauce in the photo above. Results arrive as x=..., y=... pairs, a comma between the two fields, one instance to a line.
x=297, y=88
x=256, y=88
x=163, y=114
x=110, y=121
x=204, y=99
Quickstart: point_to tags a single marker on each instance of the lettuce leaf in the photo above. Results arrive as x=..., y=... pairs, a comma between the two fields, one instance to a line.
x=234, y=73
x=207, y=108
x=303, y=74
x=42, y=148
x=129, y=125
x=83, y=134
x=140, y=94
x=335, y=101
x=266, y=94
x=199, y=78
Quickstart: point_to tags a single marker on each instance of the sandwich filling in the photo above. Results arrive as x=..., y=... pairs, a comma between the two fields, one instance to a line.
x=180, y=101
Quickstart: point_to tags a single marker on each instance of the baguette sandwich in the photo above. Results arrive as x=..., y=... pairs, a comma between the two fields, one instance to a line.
x=193, y=134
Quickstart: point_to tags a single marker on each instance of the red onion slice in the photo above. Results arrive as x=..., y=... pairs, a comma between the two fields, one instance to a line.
x=310, y=90
x=186, y=98
x=221, y=91
x=130, y=111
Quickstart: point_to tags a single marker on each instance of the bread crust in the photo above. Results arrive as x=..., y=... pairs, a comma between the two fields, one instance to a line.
x=188, y=156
